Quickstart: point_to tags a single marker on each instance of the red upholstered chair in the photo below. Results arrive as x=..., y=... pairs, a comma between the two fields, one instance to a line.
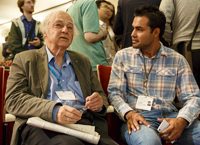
x=8, y=119
x=103, y=73
x=1, y=103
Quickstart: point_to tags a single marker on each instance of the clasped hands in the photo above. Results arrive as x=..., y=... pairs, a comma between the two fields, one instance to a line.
x=175, y=129
x=69, y=115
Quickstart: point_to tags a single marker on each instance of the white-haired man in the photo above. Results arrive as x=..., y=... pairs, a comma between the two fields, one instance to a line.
x=38, y=76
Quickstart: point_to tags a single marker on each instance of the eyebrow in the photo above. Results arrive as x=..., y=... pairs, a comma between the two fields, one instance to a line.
x=62, y=21
x=138, y=27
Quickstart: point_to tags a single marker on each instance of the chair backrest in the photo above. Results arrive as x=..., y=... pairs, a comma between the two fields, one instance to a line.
x=6, y=74
x=103, y=73
x=1, y=102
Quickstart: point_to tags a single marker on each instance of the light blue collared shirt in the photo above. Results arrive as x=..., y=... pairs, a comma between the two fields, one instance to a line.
x=69, y=82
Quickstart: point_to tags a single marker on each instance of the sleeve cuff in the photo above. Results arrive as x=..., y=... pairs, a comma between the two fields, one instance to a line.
x=54, y=113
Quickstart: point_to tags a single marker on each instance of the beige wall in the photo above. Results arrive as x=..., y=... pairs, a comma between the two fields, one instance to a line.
x=115, y=3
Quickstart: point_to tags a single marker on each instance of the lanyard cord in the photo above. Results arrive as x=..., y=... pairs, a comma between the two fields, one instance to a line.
x=59, y=79
x=147, y=74
x=27, y=24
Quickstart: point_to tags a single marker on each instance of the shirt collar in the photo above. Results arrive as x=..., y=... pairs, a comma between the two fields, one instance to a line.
x=102, y=24
x=50, y=57
x=160, y=52
x=24, y=18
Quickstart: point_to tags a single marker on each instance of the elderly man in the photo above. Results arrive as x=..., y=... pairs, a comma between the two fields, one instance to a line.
x=145, y=80
x=37, y=79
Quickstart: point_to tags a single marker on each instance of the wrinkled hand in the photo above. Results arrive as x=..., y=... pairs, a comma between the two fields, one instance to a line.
x=35, y=43
x=133, y=120
x=94, y=102
x=175, y=129
x=68, y=115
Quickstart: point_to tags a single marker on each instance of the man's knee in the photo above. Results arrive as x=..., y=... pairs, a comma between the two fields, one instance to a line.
x=143, y=136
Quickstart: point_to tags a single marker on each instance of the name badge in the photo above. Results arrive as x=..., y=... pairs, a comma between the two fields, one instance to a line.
x=24, y=41
x=66, y=95
x=144, y=102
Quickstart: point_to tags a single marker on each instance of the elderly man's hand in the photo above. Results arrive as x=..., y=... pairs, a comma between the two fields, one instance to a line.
x=94, y=102
x=133, y=120
x=35, y=42
x=175, y=129
x=68, y=115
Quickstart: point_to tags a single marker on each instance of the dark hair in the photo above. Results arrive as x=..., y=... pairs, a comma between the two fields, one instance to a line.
x=156, y=17
x=20, y=3
x=111, y=21
x=98, y=2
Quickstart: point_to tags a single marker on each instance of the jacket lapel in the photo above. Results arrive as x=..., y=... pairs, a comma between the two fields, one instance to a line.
x=76, y=64
x=43, y=71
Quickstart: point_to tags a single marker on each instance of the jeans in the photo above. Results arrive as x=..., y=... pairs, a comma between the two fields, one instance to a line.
x=149, y=136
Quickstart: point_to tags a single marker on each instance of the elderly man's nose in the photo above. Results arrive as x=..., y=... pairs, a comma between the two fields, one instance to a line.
x=64, y=29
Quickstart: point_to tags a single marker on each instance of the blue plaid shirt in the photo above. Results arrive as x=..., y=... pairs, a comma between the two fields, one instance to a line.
x=170, y=76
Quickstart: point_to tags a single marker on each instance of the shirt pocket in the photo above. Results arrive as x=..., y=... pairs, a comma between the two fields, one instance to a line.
x=167, y=77
x=131, y=69
x=133, y=74
x=166, y=72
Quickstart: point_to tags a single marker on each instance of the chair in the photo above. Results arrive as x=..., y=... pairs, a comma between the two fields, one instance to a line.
x=8, y=119
x=1, y=103
x=103, y=73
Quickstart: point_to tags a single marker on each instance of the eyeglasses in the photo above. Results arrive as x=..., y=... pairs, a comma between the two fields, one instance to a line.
x=30, y=2
x=105, y=6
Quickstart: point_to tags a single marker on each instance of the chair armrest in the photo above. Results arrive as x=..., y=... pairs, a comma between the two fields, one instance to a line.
x=110, y=109
x=9, y=118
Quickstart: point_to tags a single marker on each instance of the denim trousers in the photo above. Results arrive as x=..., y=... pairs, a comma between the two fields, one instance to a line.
x=149, y=136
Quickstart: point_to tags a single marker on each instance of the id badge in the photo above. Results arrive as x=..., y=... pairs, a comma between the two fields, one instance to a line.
x=66, y=95
x=24, y=41
x=144, y=102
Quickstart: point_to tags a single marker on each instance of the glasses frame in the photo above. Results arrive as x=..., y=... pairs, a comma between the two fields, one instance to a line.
x=106, y=6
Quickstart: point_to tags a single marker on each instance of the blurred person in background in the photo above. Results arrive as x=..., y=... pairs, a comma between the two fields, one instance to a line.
x=6, y=51
x=24, y=33
x=181, y=18
x=106, y=11
x=88, y=41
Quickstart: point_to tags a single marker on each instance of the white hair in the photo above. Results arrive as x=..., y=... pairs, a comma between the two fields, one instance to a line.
x=45, y=23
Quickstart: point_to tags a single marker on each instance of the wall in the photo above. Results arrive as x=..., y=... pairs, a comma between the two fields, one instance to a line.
x=115, y=3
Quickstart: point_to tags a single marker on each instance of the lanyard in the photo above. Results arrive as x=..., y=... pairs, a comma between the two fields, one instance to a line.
x=147, y=74
x=27, y=24
x=59, y=79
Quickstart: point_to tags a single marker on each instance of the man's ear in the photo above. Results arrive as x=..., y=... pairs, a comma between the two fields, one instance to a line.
x=156, y=32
